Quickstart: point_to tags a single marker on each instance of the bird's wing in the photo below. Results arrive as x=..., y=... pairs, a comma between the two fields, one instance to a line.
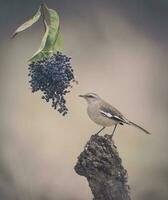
x=112, y=113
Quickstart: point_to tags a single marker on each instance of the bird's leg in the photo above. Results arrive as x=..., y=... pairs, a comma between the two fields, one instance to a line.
x=100, y=130
x=110, y=137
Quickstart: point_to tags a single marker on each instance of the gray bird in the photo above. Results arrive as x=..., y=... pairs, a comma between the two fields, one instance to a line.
x=104, y=114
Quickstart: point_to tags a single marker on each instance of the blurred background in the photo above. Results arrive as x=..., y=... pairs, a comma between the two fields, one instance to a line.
x=119, y=50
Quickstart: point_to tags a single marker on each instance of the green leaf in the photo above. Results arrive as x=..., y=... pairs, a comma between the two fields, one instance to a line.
x=58, y=43
x=41, y=52
x=53, y=29
x=28, y=23
x=52, y=40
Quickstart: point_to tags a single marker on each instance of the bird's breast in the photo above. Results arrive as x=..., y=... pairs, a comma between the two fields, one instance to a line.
x=95, y=115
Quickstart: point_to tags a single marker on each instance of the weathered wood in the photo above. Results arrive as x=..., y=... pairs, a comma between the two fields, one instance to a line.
x=101, y=165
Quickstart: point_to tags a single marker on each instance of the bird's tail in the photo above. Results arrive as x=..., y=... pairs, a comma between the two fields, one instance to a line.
x=137, y=126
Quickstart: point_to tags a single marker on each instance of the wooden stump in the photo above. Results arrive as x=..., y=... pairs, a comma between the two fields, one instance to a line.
x=101, y=165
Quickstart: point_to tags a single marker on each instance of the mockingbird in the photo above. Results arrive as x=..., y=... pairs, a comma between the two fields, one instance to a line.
x=102, y=113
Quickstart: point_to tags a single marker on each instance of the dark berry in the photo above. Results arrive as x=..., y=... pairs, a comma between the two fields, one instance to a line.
x=52, y=76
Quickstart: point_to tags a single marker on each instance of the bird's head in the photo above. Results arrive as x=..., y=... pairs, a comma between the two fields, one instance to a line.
x=90, y=97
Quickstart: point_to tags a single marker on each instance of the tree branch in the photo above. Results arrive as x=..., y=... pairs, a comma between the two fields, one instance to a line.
x=101, y=165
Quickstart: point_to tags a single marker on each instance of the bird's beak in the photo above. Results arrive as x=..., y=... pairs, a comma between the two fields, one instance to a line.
x=82, y=96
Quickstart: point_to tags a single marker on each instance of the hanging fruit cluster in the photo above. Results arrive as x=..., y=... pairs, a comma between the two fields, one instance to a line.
x=50, y=70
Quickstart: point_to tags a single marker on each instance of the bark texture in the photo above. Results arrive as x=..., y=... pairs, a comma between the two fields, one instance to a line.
x=101, y=165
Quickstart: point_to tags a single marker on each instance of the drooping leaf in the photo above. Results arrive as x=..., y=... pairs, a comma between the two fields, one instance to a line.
x=52, y=40
x=53, y=29
x=58, y=43
x=41, y=52
x=28, y=23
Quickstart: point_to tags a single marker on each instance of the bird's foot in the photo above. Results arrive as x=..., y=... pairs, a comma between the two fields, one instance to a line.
x=99, y=131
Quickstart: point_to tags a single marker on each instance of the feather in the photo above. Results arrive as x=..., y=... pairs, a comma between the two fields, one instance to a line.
x=109, y=115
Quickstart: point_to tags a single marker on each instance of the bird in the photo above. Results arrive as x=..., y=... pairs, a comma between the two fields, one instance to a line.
x=105, y=115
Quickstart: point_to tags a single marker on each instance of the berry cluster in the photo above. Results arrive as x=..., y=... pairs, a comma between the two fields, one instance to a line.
x=53, y=77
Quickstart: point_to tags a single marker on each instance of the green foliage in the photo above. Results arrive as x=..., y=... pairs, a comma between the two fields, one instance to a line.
x=52, y=39
x=28, y=23
x=53, y=28
x=41, y=52
x=58, y=43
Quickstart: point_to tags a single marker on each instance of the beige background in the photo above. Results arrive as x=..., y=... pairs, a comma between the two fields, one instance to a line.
x=118, y=50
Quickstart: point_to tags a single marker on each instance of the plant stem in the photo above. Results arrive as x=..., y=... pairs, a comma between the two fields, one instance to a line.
x=43, y=13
